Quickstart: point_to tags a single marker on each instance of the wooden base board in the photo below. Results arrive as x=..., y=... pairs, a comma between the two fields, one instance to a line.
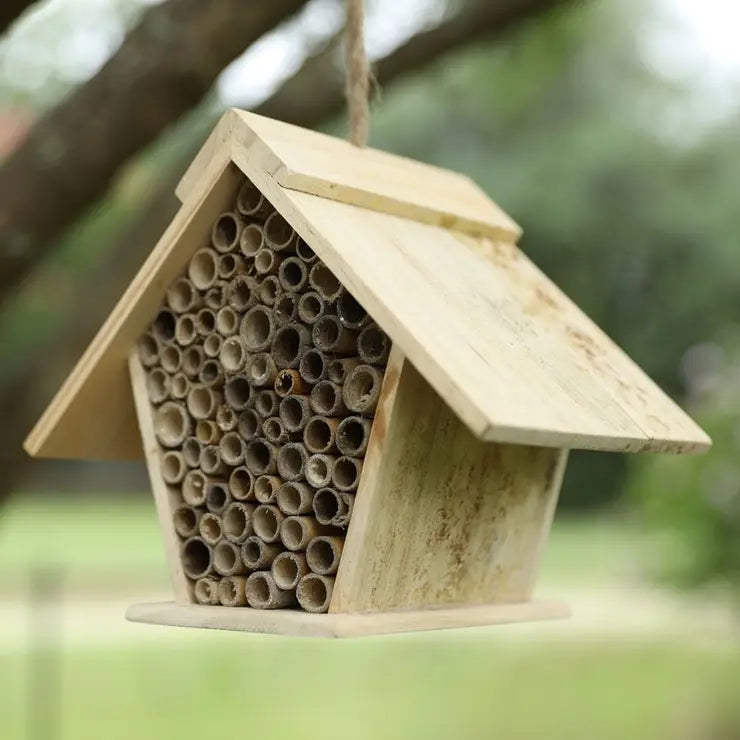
x=303, y=624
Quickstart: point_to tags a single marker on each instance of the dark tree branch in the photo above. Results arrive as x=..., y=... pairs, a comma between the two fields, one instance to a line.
x=164, y=67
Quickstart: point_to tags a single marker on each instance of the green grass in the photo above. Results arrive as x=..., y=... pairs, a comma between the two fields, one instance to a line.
x=421, y=687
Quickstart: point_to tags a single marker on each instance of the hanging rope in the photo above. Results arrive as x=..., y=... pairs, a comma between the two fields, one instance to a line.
x=358, y=75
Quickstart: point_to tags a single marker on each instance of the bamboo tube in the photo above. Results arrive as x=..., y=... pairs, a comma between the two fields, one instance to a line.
x=274, y=431
x=171, y=424
x=353, y=435
x=252, y=240
x=212, y=345
x=203, y=402
x=293, y=275
x=241, y=484
x=226, y=418
x=217, y=496
x=373, y=345
x=361, y=390
x=294, y=413
x=179, y=387
x=295, y=498
x=286, y=308
x=249, y=424
x=211, y=374
x=266, y=262
x=289, y=382
x=288, y=568
x=239, y=294
x=323, y=554
x=313, y=366
x=172, y=466
x=269, y=290
x=351, y=314
x=185, y=332
x=320, y=432
x=203, y=268
x=205, y=322
x=311, y=307
x=279, y=234
x=171, y=358
x=193, y=358
x=229, y=265
x=197, y=558
x=233, y=354
x=215, y=297
x=257, y=554
x=288, y=344
x=346, y=473
x=305, y=252
x=185, y=520
x=326, y=399
x=265, y=488
x=329, y=335
x=207, y=432
x=328, y=505
x=191, y=448
x=232, y=591
x=211, y=462
x=342, y=519
x=338, y=370
x=266, y=521
x=263, y=593
x=237, y=392
x=318, y=470
x=206, y=591
x=227, y=559
x=261, y=457
x=291, y=461
x=267, y=403
x=257, y=328
x=314, y=593
x=158, y=385
x=262, y=370
x=250, y=202
x=297, y=531
x=163, y=327
x=194, y=488
x=324, y=282
x=226, y=232
x=182, y=297
x=210, y=529
x=227, y=321
x=148, y=349
x=232, y=448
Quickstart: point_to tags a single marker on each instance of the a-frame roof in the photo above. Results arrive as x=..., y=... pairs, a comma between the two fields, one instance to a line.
x=432, y=259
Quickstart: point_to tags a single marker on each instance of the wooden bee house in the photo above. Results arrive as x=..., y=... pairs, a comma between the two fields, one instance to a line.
x=355, y=395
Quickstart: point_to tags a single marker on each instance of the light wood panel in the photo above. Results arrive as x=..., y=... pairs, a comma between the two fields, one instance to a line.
x=92, y=416
x=302, y=624
x=165, y=498
x=442, y=518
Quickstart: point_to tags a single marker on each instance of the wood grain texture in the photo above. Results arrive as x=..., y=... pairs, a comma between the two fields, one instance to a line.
x=442, y=518
x=165, y=498
x=315, y=163
x=302, y=624
x=92, y=416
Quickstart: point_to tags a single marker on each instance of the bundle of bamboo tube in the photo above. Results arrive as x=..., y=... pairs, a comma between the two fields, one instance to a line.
x=264, y=373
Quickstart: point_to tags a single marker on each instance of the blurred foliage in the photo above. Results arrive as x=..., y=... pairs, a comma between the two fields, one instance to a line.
x=694, y=503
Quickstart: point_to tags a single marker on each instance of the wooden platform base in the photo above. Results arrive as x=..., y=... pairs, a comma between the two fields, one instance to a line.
x=302, y=624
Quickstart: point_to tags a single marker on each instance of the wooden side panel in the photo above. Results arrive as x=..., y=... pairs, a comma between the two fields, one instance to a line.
x=442, y=518
x=323, y=165
x=165, y=499
x=92, y=416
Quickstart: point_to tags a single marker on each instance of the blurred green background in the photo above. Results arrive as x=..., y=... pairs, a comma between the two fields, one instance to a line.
x=609, y=130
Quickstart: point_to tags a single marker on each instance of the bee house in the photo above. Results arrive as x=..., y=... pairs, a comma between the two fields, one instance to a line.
x=355, y=395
